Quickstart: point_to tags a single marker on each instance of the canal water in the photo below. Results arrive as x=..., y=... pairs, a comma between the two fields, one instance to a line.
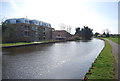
x=66, y=60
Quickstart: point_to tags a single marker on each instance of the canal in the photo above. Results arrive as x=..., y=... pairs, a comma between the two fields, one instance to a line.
x=66, y=60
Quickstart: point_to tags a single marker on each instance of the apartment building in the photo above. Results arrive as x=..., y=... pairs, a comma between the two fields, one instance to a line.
x=26, y=30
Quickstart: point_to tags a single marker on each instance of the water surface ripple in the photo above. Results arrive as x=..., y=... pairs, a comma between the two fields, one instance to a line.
x=67, y=60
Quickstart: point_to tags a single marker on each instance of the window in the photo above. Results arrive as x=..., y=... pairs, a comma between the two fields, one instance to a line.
x=26, y=33
x=7, y=21
x=37, y=22
x=18, y=21
x=30, y=22
x=40, y=23
x=43, y=24
x=35, y=34
x=26, y=21
x=26, y=27
x=44, y=29
x=35, y=28
x=44, y=37
x=44, y=33
x=49, y=25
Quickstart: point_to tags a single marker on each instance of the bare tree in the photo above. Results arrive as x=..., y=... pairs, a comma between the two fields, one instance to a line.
x=65, y=27
x=62, y=26
x=106, y=31
x=69, y=28
x=2, y=19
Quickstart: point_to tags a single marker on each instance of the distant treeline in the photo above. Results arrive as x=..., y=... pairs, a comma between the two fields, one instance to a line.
x=85, y=33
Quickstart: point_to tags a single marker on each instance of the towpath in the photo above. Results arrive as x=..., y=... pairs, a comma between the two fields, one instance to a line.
x=115, y=52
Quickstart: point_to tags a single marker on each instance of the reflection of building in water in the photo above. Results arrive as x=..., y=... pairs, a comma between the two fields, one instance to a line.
x=26, y=30
x=60, y=34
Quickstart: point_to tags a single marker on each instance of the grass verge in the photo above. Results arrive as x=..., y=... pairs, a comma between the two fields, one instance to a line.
x=103, y=67
x=23, y=43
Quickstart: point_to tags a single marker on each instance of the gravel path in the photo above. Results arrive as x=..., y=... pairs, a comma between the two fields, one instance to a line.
x=115, y=52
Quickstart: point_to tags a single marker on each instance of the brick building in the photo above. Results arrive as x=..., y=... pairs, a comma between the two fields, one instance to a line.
x=26, y=30
x=60, y=35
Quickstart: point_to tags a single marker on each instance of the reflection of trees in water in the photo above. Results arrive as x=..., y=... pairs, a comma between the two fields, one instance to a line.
x=82, y=40
x=26, y=49
x=85, y=40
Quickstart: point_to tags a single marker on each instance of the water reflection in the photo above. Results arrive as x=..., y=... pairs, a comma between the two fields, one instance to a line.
x=25, y=49
x=85, y=40
x=68, y=60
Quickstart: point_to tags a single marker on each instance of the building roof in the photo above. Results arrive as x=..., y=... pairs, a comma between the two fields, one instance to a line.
x=28, y=21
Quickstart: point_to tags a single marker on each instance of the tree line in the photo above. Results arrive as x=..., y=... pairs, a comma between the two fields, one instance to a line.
x=85, y=33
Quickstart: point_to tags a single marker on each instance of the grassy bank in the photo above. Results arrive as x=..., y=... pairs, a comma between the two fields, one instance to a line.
x=23, y=43
x=114, y=39
x=103, y=67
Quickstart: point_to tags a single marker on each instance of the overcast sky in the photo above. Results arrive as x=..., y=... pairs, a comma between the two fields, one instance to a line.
x=96, y=14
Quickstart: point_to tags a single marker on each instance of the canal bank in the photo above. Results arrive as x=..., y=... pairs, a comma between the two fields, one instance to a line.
x=10, y=45
x=115, y=52
x=19, y=44
x=103, y=67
